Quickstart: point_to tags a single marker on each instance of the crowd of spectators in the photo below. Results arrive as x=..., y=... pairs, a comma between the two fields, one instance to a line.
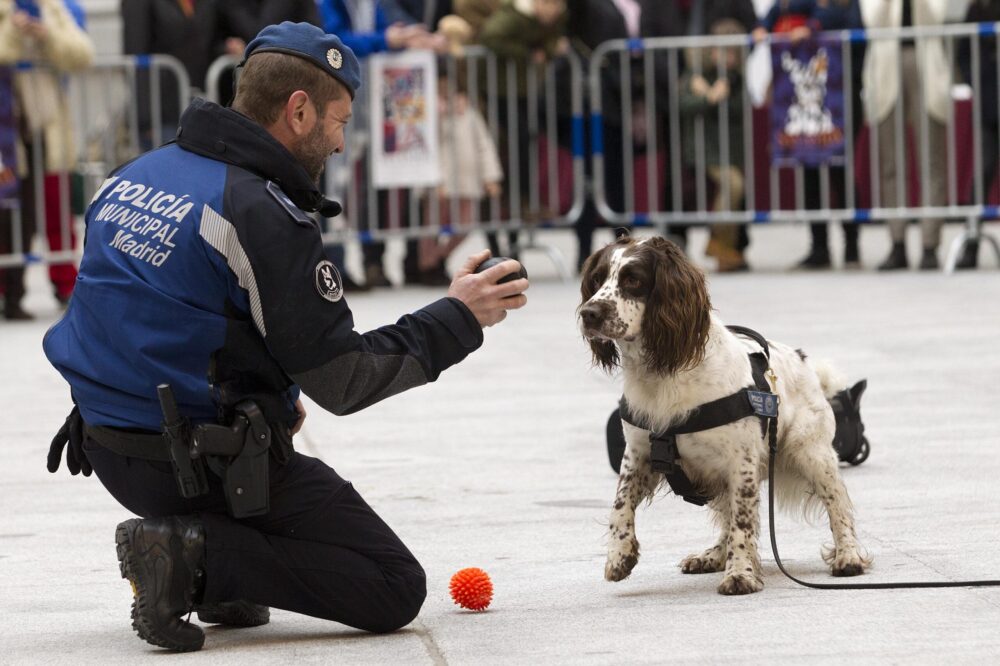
x=909, y=76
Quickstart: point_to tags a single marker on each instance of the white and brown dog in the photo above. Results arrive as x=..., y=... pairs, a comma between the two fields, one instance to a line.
x=646, y=309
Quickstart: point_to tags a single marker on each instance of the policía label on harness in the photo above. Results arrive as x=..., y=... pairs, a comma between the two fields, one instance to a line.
x=763, y=404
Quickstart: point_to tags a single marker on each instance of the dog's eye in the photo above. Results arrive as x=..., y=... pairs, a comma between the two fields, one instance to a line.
x=596, y=282
x=631, y=283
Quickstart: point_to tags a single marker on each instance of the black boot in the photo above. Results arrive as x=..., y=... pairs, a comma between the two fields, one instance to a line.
x=929, y=260
x=234, y=614
x=970, y=255
x=817, y=259
x=896, y=259
x=163, y=559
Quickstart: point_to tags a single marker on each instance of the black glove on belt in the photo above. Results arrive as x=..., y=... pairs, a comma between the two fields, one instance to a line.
x=70, y=433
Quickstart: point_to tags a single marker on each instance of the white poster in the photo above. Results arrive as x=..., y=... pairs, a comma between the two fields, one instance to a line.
x=404, y=119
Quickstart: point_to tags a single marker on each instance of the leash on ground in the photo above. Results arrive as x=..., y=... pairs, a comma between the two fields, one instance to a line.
x=772, y=436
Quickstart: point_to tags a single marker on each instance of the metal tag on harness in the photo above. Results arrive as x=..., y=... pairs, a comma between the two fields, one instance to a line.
x=763, y=404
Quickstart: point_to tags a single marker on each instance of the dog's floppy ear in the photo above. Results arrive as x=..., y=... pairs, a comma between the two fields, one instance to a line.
x=678, y=312
x=605, y=352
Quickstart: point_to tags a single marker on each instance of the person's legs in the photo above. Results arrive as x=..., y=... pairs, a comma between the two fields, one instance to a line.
x=889, y=172
x=14, y=276
x=819, y=249
x=937, y=194
x=57, y=225
x=320, y=550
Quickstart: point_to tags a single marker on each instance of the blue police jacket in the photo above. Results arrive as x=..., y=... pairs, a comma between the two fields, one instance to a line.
x=201, y=270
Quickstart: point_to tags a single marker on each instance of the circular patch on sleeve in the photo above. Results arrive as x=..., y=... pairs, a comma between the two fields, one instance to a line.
x=328, y=282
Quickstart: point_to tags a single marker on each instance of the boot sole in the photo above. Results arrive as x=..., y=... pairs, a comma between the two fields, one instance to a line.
x=130, y=571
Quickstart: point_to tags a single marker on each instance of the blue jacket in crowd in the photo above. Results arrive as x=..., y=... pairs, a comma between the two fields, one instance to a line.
x=337, y=21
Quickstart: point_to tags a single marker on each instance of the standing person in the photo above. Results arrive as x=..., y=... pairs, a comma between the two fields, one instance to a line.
x=224, y=294
x=702, y=94
x=470, y=169
x=591, y=23
x=982, y=11
x=801, y=19
x=527, y=33
x=701, y=15
x=48, y=34
x=924, y=85
x=366, y=29
x=193, y=31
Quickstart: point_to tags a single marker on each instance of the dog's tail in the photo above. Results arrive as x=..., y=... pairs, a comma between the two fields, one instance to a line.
x=831, y=379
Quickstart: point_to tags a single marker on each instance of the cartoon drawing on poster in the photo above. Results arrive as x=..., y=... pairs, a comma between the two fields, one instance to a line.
x=404, y=127
x=808, y=109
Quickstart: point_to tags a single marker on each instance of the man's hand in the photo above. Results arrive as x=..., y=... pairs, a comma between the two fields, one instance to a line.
x=699, y=86
x=488, y=301
x=235, y=46
x=719, y=91
x=800, y=34
x=399, y=36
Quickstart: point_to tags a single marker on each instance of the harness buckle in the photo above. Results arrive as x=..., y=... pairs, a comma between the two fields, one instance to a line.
x=663, y=453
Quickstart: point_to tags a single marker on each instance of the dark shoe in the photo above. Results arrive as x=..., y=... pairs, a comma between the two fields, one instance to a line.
x=896, y=259
x=375, y=277
x=163, y=559
x=434, y=277
x=816, y=260
x=852, y=256
x=16, y=313
x=929, y=260
x=234, y=614
x=970, y=256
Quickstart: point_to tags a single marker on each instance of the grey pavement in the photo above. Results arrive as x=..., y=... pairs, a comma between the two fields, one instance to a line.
x=501, y=464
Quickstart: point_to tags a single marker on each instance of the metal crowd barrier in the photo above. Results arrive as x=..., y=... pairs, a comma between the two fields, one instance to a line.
x=116, y=111
x=659, y=64
x=552, y=196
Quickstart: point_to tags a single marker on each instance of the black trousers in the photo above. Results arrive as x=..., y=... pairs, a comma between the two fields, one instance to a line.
x=320, y=551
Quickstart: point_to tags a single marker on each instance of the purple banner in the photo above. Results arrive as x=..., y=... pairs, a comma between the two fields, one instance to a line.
x=8, y=136
x=807, y=111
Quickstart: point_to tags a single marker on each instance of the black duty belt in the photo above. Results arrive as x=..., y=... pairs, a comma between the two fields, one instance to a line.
x=756, y=400
x=146, y=445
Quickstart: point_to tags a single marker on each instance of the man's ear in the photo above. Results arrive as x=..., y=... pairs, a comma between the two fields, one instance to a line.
x=300, y=113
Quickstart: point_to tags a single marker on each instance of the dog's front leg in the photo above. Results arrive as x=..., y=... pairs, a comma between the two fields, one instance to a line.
x=636, y=482
x=743, y=574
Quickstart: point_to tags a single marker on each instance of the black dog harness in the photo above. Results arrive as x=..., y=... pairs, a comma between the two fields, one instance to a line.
x=756, y=400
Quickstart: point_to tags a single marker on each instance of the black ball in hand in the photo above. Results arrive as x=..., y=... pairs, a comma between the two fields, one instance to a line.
x=493, y=261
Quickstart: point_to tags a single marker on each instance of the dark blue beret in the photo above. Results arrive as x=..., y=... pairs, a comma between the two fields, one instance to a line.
x=310, y=42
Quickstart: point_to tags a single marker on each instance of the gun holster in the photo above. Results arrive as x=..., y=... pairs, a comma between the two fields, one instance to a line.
x=239, y=452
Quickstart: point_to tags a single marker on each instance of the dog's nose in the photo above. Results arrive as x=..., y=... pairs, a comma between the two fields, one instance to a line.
x=591, y=315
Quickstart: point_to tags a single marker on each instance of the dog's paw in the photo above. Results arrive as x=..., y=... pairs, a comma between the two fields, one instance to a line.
x=621, y=560
x=708, y=562
x=847, y=562
x=740, y=584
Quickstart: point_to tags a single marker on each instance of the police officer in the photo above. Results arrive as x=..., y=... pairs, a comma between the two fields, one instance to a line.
x=203, y=271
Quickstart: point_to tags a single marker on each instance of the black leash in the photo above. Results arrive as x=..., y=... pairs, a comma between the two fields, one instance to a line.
x=772, y=441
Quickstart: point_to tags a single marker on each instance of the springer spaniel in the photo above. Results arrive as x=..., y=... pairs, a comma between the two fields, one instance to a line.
x=646, y=309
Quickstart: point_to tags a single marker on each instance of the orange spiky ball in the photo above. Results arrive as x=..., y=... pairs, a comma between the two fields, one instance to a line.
x=471, y=588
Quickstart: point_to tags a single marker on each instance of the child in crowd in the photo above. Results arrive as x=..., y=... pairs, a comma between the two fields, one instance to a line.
x=470, y=169
x=707, y=87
